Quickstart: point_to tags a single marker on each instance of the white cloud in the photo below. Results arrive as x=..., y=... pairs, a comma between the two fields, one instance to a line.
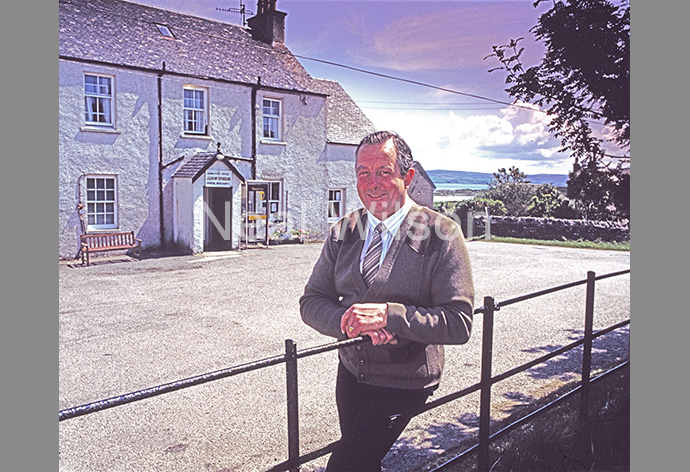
x=478, y=143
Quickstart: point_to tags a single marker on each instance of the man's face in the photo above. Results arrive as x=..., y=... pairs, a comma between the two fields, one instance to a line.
x=379, y=184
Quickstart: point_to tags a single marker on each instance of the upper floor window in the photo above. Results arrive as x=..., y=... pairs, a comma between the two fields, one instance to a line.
x=335, y=203
x=271, y=114
x=98, y=100
x=195, y=115
x=101, y=202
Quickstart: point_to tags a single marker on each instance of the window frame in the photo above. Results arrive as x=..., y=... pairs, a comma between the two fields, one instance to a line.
x=204, y=111
x=278, y=215
x=340, y=201
x=165, y=31
x=93, y=199
x=271, y=118
x=101, y=100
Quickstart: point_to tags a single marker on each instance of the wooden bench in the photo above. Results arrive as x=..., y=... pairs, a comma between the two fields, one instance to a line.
x=100, y=242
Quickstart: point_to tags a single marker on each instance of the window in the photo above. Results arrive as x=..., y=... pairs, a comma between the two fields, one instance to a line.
x=274, y=208
x=271, y=113
x=98, y=100
x=101, y=202
x=165, y=31
x=335, y=203
x=195, y=110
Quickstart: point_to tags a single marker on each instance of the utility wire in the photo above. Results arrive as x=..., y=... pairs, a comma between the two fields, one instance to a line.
x=414, y=82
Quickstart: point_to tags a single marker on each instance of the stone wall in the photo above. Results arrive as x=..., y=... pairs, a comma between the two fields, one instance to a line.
x=553, y=229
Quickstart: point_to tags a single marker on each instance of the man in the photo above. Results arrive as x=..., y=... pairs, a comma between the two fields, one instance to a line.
x=406, y=284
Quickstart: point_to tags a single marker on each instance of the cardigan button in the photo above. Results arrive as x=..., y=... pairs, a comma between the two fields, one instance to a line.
x=361, y=362
x=361, y=376
x=359, y=348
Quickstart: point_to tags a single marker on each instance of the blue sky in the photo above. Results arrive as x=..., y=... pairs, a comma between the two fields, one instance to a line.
x=440, y=44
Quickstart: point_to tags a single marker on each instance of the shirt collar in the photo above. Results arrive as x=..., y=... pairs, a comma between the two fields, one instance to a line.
x=393, y=222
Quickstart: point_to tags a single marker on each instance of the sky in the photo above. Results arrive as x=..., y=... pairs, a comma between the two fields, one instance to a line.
x=437, y=93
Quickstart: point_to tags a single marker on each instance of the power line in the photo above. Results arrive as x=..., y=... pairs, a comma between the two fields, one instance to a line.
x=414, y=82
x=448, y=108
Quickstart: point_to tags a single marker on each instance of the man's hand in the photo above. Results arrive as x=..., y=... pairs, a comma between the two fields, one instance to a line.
x=381, y=336
x=369, y=319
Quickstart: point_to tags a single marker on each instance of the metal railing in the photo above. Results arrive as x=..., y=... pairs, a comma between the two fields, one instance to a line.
x=291, y=356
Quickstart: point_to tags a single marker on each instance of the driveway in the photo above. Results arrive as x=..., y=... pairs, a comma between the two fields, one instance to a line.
x=126, y=325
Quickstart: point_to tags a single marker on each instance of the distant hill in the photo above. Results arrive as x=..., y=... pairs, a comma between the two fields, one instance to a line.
x=479, y=178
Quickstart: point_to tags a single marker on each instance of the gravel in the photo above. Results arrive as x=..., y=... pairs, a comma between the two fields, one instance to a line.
x=127, y=325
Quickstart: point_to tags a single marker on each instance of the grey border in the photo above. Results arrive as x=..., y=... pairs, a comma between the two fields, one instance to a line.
x=30, y=283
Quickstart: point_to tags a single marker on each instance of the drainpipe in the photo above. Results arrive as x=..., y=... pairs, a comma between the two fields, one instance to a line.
x=160, y=156
x=255, y=89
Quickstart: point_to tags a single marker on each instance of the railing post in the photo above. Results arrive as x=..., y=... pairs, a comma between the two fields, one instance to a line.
x=485, y=400
x=587, y=347
x=292, y=404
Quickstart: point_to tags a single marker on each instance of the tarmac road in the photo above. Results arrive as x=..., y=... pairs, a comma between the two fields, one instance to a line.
x=126, y=325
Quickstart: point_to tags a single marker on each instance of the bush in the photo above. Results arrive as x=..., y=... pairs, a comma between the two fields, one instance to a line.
x=549, y=202
x=515, y=196
x=476, y=204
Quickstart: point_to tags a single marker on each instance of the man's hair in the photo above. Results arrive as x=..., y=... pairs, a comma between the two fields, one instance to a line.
x=402, y=150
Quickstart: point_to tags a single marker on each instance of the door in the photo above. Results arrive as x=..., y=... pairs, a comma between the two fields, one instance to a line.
x=257, y=213
x=217, y=218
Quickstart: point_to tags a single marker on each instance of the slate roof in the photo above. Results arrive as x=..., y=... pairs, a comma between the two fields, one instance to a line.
x=125, y=33
x=194, y=166
x=347, y=124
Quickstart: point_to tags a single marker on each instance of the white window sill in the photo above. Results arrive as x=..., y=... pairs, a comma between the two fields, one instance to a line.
x=100, y=229
x=196, y=136
x=273, y=141
x=98, y=129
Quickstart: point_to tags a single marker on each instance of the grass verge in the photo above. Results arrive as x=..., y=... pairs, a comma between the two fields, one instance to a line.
x=611, y=246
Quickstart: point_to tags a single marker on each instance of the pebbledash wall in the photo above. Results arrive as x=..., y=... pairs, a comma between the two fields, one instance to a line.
x=553, y=229
x=128, y=151
x=303, y=161
x=296, y=160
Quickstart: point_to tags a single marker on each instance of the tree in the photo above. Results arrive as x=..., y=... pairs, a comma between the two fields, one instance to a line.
x=583, y=76
x=601, y=193
x=503, y=176
x=510, y=187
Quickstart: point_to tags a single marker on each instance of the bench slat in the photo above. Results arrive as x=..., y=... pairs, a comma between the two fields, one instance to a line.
x=109, y=242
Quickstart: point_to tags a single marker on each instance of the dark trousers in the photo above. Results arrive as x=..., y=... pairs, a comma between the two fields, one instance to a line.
x=371, y=419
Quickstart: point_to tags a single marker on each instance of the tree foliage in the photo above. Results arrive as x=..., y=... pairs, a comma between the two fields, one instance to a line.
x=601, y=193
x=510, y=176
x=549, y=202
x=477, y=204
x=583, y=76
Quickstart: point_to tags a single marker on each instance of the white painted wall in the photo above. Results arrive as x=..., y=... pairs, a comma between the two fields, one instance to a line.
x=129, y=151
x=303, y=161
x=229, y=123
x=340, y=167
x=297, y=161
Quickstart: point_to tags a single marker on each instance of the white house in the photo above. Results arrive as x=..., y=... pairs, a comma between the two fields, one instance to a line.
x=196, y=134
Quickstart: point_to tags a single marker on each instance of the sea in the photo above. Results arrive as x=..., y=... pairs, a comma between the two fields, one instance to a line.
x=455, y=186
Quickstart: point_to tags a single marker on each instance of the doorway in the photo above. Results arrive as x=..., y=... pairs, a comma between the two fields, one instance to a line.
x=217, y=218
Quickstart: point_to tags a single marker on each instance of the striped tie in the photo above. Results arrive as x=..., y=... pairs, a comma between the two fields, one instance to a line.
x=370, y=266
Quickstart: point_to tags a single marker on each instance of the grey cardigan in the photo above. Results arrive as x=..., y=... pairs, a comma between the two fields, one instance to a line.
x=426, y=281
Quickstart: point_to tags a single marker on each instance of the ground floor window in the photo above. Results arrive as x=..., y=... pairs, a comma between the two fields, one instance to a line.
x=275, y=210
x=336, y=203
x=101, y=202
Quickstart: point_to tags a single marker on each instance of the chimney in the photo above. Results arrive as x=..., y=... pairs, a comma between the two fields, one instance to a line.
x=269, y=24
